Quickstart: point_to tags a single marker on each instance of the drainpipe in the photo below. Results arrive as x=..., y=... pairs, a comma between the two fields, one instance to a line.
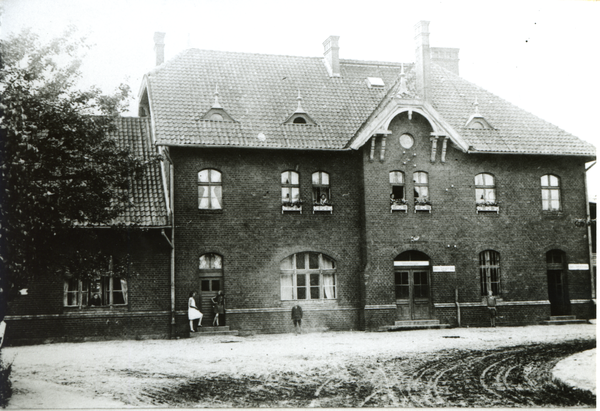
x=457, y=305
x=589, y=232
x=172, y=197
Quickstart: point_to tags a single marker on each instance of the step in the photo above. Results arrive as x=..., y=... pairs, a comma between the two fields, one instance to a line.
x=212, y=331
x=562, y=322
x=414, y=325
x=562, y=317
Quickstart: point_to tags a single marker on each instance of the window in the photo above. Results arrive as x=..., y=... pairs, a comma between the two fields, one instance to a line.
x=299, y=120
x=321, y=191
x=397, y=187
x=211, y=277
x=489, y=271
x=421, y=189
x=308, y=276
x=550, y=193
x=485, y=190
x=104, y=291
x=209, y=190
x=290, y=188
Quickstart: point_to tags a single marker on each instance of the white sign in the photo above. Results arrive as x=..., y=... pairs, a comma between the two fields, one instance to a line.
x=444, y=268
x=411, y=263
x=579, y=267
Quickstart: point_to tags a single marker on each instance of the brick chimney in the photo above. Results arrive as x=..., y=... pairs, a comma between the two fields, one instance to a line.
x=159, y=47
x=332, y=55
x=422, y=59
x=445, y=57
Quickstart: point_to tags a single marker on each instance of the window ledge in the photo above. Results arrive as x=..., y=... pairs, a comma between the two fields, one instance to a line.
x=291, y=209
x=399, y=207
x=326, y=208
x=422, y=208
x=488, y=209
x=211, y=210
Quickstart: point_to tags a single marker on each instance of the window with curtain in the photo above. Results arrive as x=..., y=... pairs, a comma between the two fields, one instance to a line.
x=290, y=188
x=421, y=188
x=104, y=291
x=489, y=271
x=320, y=187
x=550, y=192
x=209, y=190
x=308, y=276
x=397, y=195
x=485, y=189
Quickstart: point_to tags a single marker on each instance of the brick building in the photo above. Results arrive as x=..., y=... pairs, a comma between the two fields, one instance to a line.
x=367, y=192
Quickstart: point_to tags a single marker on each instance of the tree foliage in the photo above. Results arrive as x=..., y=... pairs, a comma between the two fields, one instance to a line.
x=59, y=168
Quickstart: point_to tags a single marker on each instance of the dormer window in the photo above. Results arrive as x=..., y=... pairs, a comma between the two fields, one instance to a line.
x=299, y=120
x=300, y=116
x=216, y=117
x=375, y=82
x=216, y=112
x=476, y=121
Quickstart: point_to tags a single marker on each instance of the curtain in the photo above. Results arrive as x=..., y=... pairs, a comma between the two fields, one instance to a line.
x=215, y=197
x=287, y=287
x=329, y=285
x=124, y=290
x=203, y=196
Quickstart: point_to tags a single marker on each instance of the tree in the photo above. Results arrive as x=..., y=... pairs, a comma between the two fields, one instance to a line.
x=59, y=168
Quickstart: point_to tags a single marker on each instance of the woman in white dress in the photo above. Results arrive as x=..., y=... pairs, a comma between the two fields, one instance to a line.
x=193, y=311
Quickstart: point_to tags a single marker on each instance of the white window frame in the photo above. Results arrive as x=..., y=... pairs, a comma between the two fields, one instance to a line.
x=210, y=180
x=549, y=190
x=306, y=272
x=83, y=294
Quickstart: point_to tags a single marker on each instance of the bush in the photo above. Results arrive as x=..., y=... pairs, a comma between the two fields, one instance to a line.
x=5, y=384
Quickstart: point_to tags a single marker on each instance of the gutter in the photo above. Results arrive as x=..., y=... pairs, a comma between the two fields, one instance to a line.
x=172, y=243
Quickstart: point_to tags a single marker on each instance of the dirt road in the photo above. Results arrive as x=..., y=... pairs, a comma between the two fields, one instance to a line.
x=454, y=367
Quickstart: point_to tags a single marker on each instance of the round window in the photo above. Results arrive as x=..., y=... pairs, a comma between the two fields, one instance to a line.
x=406, y=140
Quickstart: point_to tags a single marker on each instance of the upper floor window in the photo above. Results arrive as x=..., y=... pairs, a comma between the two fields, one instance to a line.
x=209, y=190
x=290, y=188
x=421, y=188
x=308, y=276
x=397, y=195
x=485, y=189
x=550, y=192
x=489, y=272
x=321, y=190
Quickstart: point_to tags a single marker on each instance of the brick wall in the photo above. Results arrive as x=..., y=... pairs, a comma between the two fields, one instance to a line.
x=454, y=234
x=40, y=315
x=253, y=236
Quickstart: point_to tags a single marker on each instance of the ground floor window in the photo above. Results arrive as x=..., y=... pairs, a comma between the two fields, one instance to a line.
x=100, y=292
x=308, y=276
x=489, y=271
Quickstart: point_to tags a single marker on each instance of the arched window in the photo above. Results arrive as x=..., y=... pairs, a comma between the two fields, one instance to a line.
x=485, y=189
x=209, y=190
x=299, y=120
x=550, y=192
x=489, y=271
x=308, y=276
x=321, y=191
x=397, y=195
x=290, y=187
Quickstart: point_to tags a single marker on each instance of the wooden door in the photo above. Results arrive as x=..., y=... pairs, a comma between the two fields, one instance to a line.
x=209, y=286
x=412, y=294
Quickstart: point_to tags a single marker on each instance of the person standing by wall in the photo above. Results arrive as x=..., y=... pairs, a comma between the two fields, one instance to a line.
x=491, y=305
x=297, y=318
x=219, y=307
x=194, y=313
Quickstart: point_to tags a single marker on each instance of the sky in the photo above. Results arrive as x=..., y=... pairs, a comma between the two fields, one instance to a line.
x=539, y=55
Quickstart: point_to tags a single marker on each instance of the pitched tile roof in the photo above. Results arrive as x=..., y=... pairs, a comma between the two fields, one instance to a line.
x=149, y=208
x=514, y=130
x=260, y=93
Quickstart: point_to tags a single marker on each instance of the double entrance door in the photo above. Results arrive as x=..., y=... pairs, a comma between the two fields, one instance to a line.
x=209, y=286
x=412, y=293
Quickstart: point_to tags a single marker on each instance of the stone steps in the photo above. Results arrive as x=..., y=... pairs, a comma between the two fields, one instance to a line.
x=210, y=331
x=414, y=325
x=564, y=319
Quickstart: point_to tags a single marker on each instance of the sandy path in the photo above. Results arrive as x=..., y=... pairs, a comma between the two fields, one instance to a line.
x=112, y=374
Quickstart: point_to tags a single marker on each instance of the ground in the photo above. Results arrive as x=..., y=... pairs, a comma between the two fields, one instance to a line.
x=473, y=367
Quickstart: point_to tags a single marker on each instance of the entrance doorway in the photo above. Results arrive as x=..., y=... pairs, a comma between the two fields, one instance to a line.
x=558, y=289
x=211, y=282
x=412, y=278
